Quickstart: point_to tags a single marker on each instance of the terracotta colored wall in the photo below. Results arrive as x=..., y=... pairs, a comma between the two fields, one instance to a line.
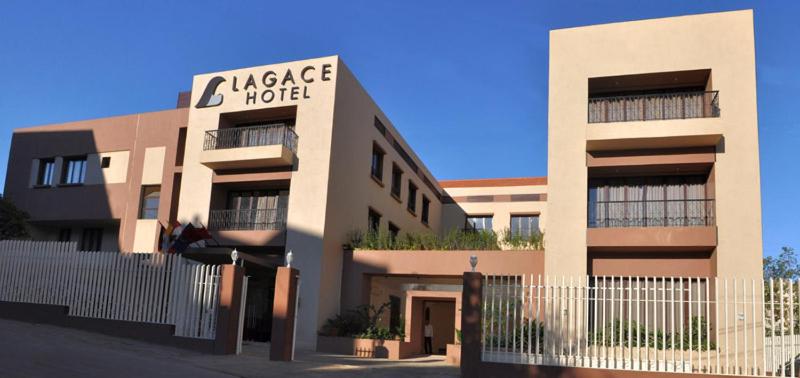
x=359, y=264
x=651, y=263
x=103, y=201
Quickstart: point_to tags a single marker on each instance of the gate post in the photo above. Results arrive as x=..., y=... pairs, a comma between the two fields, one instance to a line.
x=229, y=310
x=471, y=324
x=283, y=314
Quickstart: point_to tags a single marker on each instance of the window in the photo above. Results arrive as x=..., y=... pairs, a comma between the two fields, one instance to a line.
x=74, y=171
x=105, y=162
x=45, y=175
x=426, y=204
x=397, y=178
x=377, y=162
x=379, y=125
x=653, y=201
x=394, y=312
x=525, y=225
x=181, y=150
x=64, y=234
x=412, y=197
x=149, y=202
x=255, y=209
x=374, y=220
x=479, y=222
x=91, y=239
x=393, y=231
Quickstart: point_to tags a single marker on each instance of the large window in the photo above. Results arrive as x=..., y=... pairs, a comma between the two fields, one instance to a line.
x=479, y=222
x=426, y=204
x=655, y=201
x=149, y=202
x=255, y=210
x=374, y=220
x=412, y=197
x=393, y=231
x=257, y=199
x=525, y=225
x=74, y=171
x=64, y=234
x=91, y=239
x=397, y=180
x=377, y=162
x=46, y=169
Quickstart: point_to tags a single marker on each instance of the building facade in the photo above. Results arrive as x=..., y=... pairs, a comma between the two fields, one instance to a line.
x=652, y=170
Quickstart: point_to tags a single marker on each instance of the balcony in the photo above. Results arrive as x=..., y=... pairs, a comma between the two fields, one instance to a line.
x=261, y=146
x=250, y=220
x=651, y=213
x=261, y=227
x=685, y=224
x=649, y=107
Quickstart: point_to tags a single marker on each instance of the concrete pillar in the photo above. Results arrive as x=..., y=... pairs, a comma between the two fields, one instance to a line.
x=471, y=317
x=229, y=311
x=283, y=314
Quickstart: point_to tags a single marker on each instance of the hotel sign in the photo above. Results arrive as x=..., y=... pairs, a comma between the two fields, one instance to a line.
x=265, y=88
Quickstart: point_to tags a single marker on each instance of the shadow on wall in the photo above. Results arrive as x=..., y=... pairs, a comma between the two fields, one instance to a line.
x=39, y=182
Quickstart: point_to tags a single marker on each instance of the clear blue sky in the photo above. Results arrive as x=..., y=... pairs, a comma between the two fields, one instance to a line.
x=465, y=83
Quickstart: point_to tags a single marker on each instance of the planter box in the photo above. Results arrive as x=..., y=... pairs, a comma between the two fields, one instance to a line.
x=369, y=348
x=454, y=354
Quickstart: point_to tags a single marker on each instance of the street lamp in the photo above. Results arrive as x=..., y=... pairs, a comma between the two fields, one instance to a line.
x=289, y=258
x=234, y=256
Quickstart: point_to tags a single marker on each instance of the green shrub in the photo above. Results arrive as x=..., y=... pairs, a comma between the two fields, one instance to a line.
x=640, y=336
x=516, y=241
x=361, y=322
x=453, y=240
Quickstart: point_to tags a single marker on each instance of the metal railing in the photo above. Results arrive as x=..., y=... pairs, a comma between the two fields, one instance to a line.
x=651, y=213
x=676, y=105
x=696, y=325
x=262, y=135
x=257, y=219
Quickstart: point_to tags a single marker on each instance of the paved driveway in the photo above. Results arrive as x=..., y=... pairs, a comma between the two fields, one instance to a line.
x=37, y=350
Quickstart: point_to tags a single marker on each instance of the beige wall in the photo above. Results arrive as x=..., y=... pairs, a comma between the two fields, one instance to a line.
x=115, y=173
x=351, y=190
x=309, y=181
x=153, y=168
x=501, y=208
x=722, y=42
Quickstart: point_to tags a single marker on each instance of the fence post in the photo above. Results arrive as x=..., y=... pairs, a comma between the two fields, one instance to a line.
x=471, y=324
x=228, y=312
x=283, y=314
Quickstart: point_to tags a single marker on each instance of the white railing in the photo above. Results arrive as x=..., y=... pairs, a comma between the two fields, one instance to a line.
x=668, y=324
x=135, y=287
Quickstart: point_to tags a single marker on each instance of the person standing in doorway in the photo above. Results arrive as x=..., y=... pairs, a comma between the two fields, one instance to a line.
x=428, y=337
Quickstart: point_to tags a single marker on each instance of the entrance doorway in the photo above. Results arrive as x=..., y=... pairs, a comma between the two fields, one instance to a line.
x=441, y=314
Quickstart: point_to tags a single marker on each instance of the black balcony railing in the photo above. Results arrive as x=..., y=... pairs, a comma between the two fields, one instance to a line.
x=675, y=105
x=262, y=135
x=257, y=219
x=651, y=213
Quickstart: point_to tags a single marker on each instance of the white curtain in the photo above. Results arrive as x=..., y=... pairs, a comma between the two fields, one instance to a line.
x=648, y=201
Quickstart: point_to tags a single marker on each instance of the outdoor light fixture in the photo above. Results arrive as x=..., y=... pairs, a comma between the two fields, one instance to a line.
x=289, y=259
x=234, y=256
x=473, y=262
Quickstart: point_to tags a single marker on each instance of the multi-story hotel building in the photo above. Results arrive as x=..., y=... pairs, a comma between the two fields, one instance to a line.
x=652, y=170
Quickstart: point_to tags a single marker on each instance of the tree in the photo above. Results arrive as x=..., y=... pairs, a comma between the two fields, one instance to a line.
x=13, y=221
x=785, y=265
x=782, y=292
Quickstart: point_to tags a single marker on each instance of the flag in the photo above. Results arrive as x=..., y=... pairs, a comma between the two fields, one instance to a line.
x=188, y=235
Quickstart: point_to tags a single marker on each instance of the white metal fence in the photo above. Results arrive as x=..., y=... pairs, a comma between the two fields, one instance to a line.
x=670, y=324
x=136, y=287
